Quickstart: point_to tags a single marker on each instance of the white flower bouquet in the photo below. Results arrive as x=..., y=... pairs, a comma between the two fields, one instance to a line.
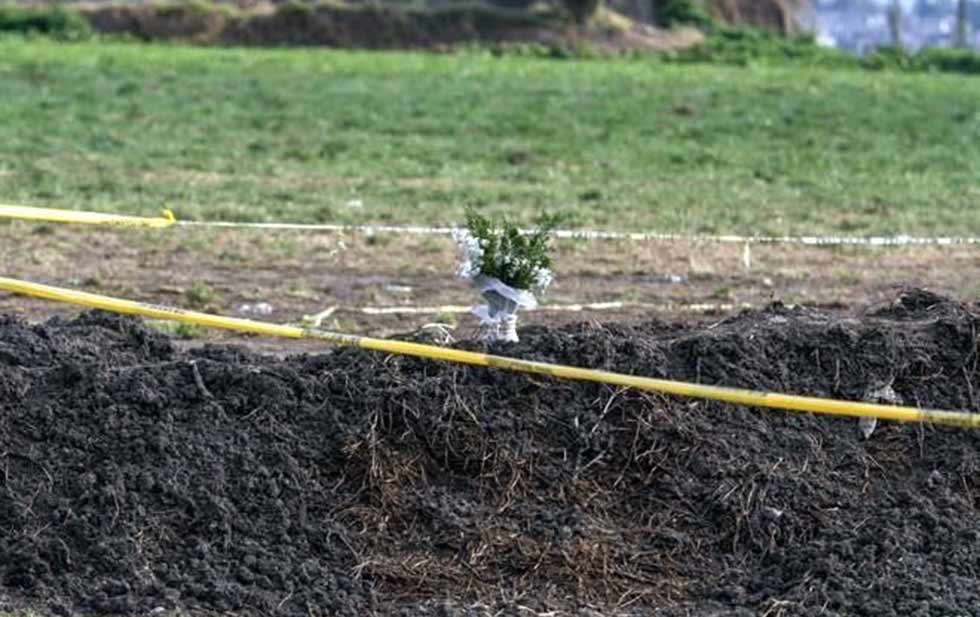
x=507, y=266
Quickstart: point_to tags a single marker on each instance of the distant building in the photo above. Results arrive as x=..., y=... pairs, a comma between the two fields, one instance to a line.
x=860, y=26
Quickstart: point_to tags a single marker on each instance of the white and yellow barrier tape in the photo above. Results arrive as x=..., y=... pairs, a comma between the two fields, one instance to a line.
x=595, y=234
x=750, y=398
x=458, y=309
x=167, y=219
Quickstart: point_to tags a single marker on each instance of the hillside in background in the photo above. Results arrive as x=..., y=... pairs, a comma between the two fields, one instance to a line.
x=356, y=25
x=734, y=30
x=616, y=25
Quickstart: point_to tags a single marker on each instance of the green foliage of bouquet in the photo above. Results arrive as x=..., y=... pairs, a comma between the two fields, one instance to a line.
x=502, y=250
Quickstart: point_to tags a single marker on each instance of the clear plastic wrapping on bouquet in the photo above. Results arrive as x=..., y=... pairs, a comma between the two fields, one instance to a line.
x=498, y=317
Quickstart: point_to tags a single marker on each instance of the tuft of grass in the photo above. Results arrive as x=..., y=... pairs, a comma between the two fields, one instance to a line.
x=447, y=319
x=200, y=295
x=183, y=331
x=290, y=135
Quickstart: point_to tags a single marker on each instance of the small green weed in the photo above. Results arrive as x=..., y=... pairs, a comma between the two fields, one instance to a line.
x=447, y=319
x=200, y=295
x=184, y=331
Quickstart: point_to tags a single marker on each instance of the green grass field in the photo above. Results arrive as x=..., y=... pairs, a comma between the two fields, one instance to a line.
x=316, y=135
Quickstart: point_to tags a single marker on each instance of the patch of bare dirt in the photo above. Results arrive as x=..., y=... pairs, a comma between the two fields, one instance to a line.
x=384, y=284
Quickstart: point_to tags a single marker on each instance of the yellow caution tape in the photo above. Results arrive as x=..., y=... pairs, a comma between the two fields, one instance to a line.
x=729, y=395
x=54, y=215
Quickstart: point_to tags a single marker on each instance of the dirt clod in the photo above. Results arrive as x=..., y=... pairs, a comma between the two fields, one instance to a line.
x=137, y=475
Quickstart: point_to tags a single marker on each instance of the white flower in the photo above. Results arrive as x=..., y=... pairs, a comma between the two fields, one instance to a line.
x=467, y=270
x=472, y=254
x=542, y=277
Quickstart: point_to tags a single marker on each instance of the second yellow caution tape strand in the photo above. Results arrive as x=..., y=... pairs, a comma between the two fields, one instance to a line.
x=54, y=215
x=729, y=395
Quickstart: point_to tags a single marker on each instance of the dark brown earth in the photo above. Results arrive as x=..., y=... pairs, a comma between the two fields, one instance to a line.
x=136, y=475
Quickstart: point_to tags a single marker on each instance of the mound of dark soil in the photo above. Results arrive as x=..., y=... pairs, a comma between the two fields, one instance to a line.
x=136, y=475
